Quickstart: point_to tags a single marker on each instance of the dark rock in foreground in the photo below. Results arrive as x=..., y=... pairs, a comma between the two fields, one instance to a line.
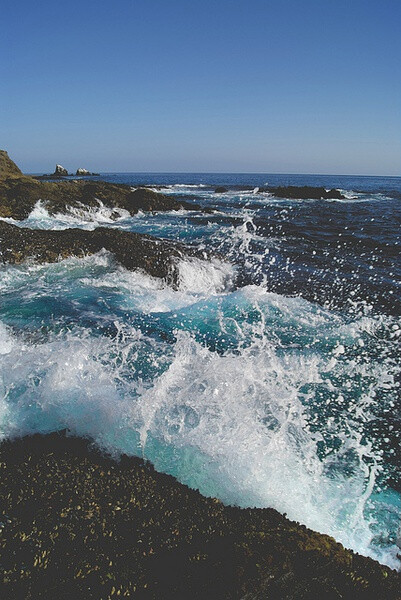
x=133, y=250
x=76, y=525
x=304, y=193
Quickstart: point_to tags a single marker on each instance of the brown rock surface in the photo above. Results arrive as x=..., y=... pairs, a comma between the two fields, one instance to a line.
x=20, y=193
x=133, y=250
x=77, y=525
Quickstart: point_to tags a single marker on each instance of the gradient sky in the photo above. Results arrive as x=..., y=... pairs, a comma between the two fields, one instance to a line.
x=286, y=86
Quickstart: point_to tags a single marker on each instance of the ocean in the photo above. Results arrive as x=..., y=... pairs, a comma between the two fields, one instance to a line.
x=269, y=377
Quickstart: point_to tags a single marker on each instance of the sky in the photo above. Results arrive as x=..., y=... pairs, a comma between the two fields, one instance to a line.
x=271, y=86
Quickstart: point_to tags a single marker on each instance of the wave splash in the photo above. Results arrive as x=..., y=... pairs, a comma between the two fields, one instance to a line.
x=277, y=412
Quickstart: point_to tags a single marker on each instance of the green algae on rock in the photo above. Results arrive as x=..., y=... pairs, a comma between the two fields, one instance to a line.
x=76, y=524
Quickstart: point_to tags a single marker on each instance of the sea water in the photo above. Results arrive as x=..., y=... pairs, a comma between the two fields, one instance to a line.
x=269, y=377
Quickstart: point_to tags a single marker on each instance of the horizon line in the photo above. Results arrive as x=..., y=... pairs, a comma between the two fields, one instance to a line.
x=221, y=173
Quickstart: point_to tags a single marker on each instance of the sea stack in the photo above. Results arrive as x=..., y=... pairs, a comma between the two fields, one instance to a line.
x=60, y=171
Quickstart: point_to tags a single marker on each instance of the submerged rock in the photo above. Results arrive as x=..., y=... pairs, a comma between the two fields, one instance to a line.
x=220, y=190
x=133, y=250
x=76, y=524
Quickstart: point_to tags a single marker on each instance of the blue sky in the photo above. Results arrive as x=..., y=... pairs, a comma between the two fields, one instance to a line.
x=306, y=86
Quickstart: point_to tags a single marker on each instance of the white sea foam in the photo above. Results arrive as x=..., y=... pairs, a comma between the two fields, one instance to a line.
x=205, y=276
x=76, y=216
x=151, y=295
x=241, y=424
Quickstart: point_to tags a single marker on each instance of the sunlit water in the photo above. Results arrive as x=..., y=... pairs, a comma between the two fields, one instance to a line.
x=270, y=377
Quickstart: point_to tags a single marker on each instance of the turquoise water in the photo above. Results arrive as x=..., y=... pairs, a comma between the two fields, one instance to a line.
x=270, y=377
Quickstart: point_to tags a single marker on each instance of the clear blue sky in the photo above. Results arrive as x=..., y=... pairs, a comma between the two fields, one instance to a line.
x=290, y=86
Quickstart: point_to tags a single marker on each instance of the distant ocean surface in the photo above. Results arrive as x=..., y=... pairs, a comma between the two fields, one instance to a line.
x=270, y=377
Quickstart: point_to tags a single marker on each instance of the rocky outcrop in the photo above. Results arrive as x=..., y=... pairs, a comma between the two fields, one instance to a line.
x=8, y=168
x=220, y=190
x=85, y=173
x=304, y=193
x=148, y=200
x=76, y=524
x=19, y=194
x=60, y=171
x=133, y=250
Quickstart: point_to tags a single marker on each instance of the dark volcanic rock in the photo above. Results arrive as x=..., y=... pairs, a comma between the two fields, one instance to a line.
x=148, y=200
x=220, y=190
x=304, y=193
x=133, y=250
x=18, y=196
x=77, y=525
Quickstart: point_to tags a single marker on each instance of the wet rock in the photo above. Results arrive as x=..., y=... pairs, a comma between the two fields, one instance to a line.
x=20, y=193
x=145, y=199
x=133, y=250
x=220, y=190
x=304, y=193
x=85, y=527
x=60, y=171
x=18, y=197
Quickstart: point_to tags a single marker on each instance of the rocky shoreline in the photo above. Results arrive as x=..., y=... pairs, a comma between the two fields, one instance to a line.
x=77, y=524
x=20, y=193
x=156, y=257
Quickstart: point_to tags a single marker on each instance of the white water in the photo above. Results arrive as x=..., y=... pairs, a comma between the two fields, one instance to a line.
x=249, y=419
x=243, y=423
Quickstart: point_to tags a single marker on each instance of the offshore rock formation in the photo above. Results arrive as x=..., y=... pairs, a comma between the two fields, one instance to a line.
x=77, y=525
x=133, y=250
x=19, y=194
x=305, y=192
x=85, y=173
x=60, y=171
